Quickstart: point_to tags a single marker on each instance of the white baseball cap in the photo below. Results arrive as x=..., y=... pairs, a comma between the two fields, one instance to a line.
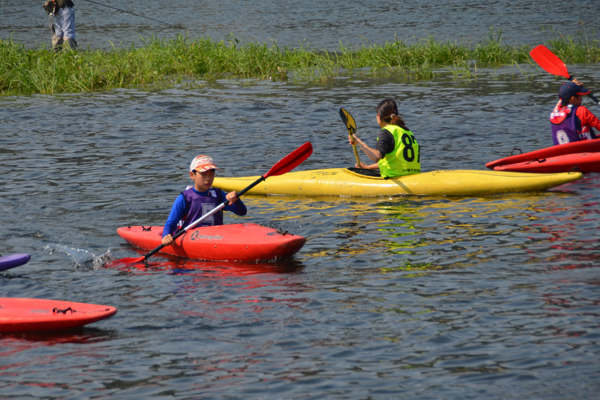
x=202, y=163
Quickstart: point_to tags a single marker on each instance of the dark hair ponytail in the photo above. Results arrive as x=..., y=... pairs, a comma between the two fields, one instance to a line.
x=566, y=102
x=388, y=112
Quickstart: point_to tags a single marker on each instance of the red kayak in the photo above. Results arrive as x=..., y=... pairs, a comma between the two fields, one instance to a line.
x=23, y=315
x=582, y=162
x=235, y=242
x=584, y=146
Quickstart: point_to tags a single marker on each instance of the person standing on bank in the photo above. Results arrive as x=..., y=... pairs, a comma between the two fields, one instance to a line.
x=570, y=121
x=62, y=16
x=396, y=152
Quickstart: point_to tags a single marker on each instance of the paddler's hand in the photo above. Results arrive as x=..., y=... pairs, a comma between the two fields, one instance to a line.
x=351, y=140
x=167, y=240
x=362, y=165
x=232, y=197
x=577, y=81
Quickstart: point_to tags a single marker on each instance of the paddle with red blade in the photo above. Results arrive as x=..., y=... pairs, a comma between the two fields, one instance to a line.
x=284, y=165
x=552, y=64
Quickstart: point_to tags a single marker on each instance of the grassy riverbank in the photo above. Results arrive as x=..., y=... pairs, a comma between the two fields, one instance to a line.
x=167, y=63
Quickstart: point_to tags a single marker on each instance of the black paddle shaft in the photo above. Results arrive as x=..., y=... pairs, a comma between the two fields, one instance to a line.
x=590, y=95
x=256, y=182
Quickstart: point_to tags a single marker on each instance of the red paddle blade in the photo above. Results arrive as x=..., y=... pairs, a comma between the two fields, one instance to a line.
x=130, y=260
x=290, y=161
x=548, y=61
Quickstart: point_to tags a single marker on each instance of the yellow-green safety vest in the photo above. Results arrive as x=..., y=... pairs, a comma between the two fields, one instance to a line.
x=406, y=157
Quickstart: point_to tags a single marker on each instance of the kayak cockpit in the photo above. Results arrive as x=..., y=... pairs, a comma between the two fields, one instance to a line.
x=364, y=173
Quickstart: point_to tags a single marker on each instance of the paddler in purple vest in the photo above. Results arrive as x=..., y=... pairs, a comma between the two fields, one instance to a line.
x=199, y=199
x=572, y=122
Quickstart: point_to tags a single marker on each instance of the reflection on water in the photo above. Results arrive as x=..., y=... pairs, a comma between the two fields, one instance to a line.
x=428, y=234
x=38, y=350
x=208, y=269
x=25, y=341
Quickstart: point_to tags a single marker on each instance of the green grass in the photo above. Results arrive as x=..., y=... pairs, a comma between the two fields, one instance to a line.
x=166, y=63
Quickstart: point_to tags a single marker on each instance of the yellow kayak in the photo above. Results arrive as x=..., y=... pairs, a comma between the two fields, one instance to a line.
x=355, y=182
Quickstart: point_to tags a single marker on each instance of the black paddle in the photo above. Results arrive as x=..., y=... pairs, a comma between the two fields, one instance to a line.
x=351, y=126
x=552, y=64
x=284, y=165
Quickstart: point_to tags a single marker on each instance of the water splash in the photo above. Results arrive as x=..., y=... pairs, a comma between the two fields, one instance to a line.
x=82, y=258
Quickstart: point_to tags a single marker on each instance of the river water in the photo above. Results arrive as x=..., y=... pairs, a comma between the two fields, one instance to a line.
x=392, y=297
x=322, y=24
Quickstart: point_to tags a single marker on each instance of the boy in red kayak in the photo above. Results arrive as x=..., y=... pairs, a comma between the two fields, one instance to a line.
x=199, y=199
x=572, y=122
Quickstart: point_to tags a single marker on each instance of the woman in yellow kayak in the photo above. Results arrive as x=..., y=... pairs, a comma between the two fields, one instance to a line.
x=396, y=152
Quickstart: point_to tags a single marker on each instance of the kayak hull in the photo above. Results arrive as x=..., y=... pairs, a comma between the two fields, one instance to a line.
x=13, y=260
x=583, y=162
x=583, y=146
x=345, y=182
x=234, y=242
x=24, y=315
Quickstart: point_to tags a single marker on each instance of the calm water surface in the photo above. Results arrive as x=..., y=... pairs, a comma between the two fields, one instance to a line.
x=392, y=297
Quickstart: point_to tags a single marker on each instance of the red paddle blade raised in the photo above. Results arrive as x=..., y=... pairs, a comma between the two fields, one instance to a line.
x=291, y=161
x=548, y=61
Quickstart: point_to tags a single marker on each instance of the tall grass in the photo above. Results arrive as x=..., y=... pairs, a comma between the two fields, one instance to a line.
x=182, y=60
